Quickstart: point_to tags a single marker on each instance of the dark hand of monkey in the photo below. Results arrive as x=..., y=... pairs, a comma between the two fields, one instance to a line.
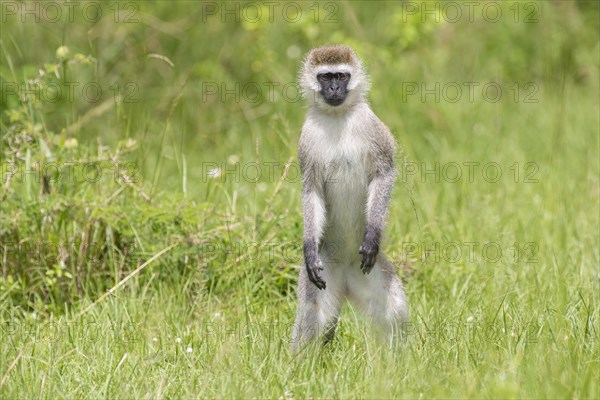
x=369, y=249
x=313, y=264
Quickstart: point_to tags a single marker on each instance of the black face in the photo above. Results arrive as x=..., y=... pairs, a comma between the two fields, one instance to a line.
x=333, y=87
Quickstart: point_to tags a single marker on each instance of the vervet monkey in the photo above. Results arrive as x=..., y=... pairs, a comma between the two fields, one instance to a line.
x=346, y=157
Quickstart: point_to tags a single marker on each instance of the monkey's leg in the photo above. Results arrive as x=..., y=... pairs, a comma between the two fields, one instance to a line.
x=318, y=310
x=380, y=296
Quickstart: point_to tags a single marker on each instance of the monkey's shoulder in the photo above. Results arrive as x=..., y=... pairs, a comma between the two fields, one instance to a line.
x=382, y=144
x=358, y=137
x=379, y=132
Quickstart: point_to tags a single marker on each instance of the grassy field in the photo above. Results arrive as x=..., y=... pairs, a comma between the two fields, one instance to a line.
x=150, y=225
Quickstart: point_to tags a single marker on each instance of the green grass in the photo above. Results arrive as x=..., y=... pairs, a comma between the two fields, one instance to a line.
x=211, y=316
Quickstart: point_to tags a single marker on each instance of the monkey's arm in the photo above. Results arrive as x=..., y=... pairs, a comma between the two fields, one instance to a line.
x=379, y=192
x=314, y=222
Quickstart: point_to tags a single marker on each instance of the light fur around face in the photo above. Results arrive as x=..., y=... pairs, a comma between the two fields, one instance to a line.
x=347, y=158
x=317, y=62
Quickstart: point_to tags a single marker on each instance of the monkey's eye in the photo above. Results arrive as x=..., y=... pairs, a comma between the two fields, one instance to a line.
x=343, y=76
x=324, y=77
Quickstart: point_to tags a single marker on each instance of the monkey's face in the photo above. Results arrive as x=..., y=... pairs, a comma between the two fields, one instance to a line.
x=334, y=87
x=332, y=79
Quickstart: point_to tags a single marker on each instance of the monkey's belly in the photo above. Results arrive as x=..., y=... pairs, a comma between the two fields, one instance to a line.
x=346, y=201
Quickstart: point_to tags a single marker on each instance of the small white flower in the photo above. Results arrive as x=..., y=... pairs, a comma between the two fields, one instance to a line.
x=154, y=339
x=189, y=350
x=178, y=340
x=214, y=173
x=470, y=319
x=62, y=52
x=71, y=143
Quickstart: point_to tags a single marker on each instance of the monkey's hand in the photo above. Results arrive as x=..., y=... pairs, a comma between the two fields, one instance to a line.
x=313, y=265
x=369, y=251
x=314, y=274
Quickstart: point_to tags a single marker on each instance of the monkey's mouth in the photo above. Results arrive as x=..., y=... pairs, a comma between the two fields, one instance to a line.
x=334, y=100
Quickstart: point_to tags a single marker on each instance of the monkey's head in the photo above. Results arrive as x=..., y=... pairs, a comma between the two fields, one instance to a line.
x=333, y=78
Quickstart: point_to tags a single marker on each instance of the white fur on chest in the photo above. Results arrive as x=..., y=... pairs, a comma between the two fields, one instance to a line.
x=340, y=152
x=336, y=140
